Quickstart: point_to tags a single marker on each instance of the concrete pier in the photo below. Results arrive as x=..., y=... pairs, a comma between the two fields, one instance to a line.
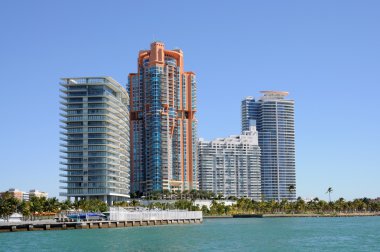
x=30, y=226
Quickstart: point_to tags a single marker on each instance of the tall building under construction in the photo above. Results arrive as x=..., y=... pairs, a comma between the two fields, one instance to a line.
x=163, y=126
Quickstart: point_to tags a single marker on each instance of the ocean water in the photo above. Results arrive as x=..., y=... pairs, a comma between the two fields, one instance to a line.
x=267, y=234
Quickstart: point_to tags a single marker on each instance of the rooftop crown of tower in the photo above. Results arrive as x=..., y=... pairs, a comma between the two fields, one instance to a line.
x=157, y=54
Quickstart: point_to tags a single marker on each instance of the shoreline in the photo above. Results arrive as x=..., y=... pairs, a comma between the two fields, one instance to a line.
x=40, y=226
x=51, y=225
x=217, y=217
x=292, y=215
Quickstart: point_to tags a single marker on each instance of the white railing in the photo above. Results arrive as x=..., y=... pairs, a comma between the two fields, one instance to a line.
x=121, y=214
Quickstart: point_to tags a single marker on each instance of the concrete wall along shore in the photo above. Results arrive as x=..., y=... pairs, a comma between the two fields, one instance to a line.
x=197, y=202
x=119, y=217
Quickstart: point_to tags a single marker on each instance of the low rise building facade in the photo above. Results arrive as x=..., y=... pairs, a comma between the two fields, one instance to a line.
x=16, y=193
x=36, y=193
x=25, y=196
x=231, y=166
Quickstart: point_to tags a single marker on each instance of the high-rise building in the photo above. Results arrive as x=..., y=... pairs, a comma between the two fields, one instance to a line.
x=231, y=166
x=249, y=110
x=163, y=123
x=274, y=117
x=95, y=139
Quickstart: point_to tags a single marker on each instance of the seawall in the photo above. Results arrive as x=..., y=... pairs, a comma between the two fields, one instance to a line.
x=30, y=226
x=118, y=217
x=305, y=215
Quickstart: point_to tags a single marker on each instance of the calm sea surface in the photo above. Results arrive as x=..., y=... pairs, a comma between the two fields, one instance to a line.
x=269, y=234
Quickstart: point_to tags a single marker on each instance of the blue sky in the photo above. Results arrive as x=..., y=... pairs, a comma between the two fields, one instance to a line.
x=325, y=53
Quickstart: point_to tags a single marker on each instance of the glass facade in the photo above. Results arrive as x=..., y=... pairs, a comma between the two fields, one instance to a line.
x=163, y=123
x=95, y=139
x=249, y=113
x=274, y=117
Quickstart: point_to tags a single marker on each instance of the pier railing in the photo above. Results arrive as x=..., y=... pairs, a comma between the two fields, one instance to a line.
x=121, y=214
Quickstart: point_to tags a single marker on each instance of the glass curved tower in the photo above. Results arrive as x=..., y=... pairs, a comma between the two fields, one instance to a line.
x=274, y=117
x=95, y=139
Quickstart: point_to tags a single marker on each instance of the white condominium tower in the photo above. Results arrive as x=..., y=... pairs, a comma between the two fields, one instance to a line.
x=231, y=166
x=95, y=139
x=274, y=117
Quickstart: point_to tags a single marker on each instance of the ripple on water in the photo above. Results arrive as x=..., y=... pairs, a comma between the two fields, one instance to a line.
x=263, y=234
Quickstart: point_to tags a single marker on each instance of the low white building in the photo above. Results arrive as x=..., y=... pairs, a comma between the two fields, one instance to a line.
x=38, y=194
x=25, y=196
x=208, y=203
x=199, y=202
x=15, y=217
x=231, y=166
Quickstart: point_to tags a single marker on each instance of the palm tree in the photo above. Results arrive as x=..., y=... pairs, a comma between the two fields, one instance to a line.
x=66, y=205
x=300, y=205
x=135, y=202
x=291, y=189
x=329, y=191
x=51, y=205
x=165, y=194
x=194, y=194
x=8, y=205
x=185, y=193
x=340, y=205
x=283, y=204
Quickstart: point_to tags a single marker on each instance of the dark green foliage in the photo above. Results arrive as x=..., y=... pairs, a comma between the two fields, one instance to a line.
x=8, y=205
x=93, y=205
x=185, y=200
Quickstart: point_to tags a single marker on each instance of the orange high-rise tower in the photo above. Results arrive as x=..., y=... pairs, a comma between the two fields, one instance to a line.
x=163, y=123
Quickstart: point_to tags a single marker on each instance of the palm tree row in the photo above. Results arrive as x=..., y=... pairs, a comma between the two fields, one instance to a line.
x=185, y=200
x=179, y=195
x=38, y=206
x=315, y=206
x=247, y=206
